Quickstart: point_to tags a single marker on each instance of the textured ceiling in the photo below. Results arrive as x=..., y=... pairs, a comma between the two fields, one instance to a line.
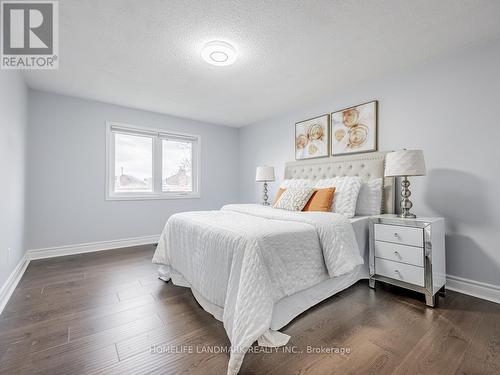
x=146, y=54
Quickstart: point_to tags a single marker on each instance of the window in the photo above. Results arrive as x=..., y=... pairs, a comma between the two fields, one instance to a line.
x=177, y=171
x=133, y=163
x=151, y=164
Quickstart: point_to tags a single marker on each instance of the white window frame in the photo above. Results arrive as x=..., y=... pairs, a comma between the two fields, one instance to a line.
x=157, y=135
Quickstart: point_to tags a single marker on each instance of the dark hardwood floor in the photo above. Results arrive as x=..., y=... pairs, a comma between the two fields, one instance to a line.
x=101, y=313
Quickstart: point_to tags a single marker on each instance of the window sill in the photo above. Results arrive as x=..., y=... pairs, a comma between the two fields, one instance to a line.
x=145, y=197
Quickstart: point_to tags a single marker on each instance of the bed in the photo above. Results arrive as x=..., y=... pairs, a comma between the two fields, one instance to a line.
x=256, y=268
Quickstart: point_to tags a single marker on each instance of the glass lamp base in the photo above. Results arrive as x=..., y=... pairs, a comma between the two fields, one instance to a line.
x=405, y=203
x=264, y=196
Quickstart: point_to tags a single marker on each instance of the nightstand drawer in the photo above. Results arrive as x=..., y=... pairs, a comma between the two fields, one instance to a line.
x=400, y=253
x=400, y=271
x=399, y=234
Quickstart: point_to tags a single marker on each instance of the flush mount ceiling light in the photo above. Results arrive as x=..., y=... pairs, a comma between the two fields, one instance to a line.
x=218, y=53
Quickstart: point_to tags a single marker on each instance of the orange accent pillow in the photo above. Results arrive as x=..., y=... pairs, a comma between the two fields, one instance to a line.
x=321, y=200
x=278, y=194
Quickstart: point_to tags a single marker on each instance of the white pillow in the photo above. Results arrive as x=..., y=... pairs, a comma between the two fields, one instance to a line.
x=297, y=183
x=346, y=193
x=294, y=199
x=370, y=198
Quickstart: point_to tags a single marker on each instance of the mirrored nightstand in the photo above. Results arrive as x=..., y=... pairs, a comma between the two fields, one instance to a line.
x=409, y=253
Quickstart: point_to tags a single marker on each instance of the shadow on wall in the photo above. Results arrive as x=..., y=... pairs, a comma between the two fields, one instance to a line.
x=460, y=198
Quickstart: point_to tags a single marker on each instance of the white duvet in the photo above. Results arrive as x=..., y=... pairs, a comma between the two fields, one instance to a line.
x=244, y=258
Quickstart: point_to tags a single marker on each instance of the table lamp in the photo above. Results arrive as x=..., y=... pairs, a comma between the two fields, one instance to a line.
x=264, y=174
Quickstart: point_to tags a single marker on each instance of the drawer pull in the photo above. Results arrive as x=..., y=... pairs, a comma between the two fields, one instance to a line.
x=397, y=254
x=396, y=235
x=399, y=273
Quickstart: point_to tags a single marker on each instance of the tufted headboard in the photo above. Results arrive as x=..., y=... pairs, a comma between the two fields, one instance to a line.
x=368, y=166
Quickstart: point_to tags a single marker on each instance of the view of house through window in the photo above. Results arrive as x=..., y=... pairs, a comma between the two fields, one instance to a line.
x=149, y=163
x=133, y=163
x=177, y=166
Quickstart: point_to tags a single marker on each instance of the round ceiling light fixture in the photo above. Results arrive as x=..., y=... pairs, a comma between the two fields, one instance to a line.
x=218, y=53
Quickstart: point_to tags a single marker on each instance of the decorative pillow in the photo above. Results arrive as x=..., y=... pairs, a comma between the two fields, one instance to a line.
x=370, y=198
x=278, y=194
x=346, y=193
x=294, y=199
x=321, y=200
x=297, y=183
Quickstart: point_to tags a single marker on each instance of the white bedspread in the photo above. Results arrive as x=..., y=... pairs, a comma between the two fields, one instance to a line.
x=244, y=258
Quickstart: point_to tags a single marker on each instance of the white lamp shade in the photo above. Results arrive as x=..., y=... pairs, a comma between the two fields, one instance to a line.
x=405, y=163
x=264, y=173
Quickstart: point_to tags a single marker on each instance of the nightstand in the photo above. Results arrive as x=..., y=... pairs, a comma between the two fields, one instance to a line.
x=409, y=253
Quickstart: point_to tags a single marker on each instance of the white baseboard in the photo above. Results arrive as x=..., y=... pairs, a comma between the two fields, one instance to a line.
x=473, y=288
x=10, y=284
x=51, y=252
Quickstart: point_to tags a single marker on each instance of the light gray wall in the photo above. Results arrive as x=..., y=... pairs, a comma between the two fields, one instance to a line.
x=451, y=110
x=66, y=173
x=13, y=106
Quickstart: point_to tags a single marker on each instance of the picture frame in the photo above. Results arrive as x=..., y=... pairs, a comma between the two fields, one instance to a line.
x=353, y=130
x=312, y=138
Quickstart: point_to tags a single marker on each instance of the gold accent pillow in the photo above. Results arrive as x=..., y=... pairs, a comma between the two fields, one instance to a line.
x=321, y=200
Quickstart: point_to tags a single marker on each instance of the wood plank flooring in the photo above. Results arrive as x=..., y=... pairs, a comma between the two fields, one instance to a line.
x=101, y=313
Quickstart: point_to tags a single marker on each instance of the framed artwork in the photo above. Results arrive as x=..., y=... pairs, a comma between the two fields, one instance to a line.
x=354, y=129
x=312, y=138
